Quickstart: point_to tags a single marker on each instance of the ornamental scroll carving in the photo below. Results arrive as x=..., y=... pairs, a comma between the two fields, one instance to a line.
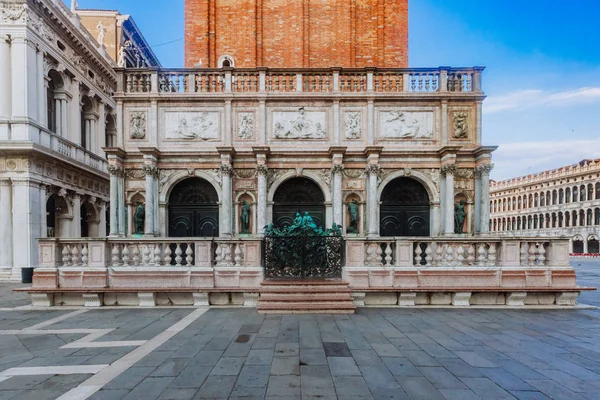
x=137, y=125
x=406, y=125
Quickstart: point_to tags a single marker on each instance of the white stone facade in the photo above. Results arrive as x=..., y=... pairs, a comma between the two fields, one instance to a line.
x=564, y=202
x=56, y=115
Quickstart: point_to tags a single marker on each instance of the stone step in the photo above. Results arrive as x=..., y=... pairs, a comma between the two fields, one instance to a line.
x=303, y=282
x=311, y=311
x=308, y=306
x=301, y=297
x=305, y=289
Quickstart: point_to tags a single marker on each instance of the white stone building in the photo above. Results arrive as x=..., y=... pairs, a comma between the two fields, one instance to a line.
x=563, y=202
x=56, y=115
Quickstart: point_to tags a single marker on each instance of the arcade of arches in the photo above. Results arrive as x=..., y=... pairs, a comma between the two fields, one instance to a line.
x=193, y=207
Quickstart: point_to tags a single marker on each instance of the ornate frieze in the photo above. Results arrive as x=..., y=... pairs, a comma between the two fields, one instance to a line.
x=406, y=125
x=14, y=13
x=192, y=125
x=460, y=125
x=137, y=124
x=354, y=173
x=245, y=125
x=299, y=124
x=352, y=124
x=244, y=173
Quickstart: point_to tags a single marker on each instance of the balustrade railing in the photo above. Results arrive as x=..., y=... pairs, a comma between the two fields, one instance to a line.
x=335, y=80
x=72, y=150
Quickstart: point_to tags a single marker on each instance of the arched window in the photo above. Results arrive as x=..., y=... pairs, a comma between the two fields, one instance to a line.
x=542, y=200
x=503, y=204
x=548, y=198
x=554, y=197
x=520, y=205
x=560, y=220
x=561, y=196
x=575, y=194
x=529, y=222
x=536, y=200
x=567, y=219
x=597, y=216
x=88, y=122
x=111, y=130
x=530, y=203
x=56, y=103
x=581, y=218
x=589, y=218
x=542, y=221
x=554, y=220
x=568, y=195
x=226, y=62
x=535, y=222
x=597, y=191
x=590, y=189
x=582, y=193
x=514, y=203
x=574, y=218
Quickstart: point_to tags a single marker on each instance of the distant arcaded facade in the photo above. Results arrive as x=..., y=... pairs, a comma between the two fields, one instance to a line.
x=563, y=202
x=297, y=34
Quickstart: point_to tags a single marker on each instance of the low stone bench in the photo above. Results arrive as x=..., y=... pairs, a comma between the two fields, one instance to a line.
x=147, y=297
x=466, y=296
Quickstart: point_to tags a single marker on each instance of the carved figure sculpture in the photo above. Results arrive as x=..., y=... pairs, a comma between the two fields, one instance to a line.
x=299, y=128
x=353, y=211
x=245, y=126
x=460, y=126
x=405, y=125
x=139, y=217
x=459, y=217
x=198, y=126
x=137, y=125
x=353, y=125
x=245, y=217
x=101, y=32
x=121, y=62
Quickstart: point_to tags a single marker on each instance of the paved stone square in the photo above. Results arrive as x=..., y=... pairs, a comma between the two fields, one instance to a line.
x=235, y=353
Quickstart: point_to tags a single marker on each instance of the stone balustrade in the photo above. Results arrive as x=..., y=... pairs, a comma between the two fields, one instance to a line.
x=72, y=150
x=151, y=252
x=334, y=80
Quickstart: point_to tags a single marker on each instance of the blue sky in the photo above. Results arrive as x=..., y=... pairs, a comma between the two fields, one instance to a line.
x=542, y=58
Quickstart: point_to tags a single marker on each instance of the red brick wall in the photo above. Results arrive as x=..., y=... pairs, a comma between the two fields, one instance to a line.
x=297, y=33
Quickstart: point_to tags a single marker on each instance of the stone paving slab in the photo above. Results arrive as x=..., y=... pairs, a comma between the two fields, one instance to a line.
x=234, y=353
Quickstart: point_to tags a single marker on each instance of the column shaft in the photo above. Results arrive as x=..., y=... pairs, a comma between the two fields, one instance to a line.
x=57, y=117
x=373, y=204
x=121, y=205
x=261, y=209
x=449, y=225
x=5, y=78
x=6, y=226
x=76, y=224
x=114, y=194
x=149, y=228
x=485, y=201
x=26, y=224
x=64, y=121
x=338, y=210
x=226, y=202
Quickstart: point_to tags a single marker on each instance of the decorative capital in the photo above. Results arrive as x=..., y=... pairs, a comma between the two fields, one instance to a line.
x=150, y=170
x=448, y=169
x=484, y=169
x=262, y=169
x=226, y=170
x=337, y=169
x=373, y=169
x=115, y=170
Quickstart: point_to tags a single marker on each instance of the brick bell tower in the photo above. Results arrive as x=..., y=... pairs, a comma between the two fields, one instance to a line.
x=296, y=33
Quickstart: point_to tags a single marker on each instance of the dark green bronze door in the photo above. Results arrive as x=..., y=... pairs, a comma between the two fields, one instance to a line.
x=194, y=209
x=404, y=209
x=298, y=195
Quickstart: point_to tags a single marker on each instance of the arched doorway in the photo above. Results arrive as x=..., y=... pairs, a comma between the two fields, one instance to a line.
x=298, y=195
x=193, y=209
x=578, y=245
x=593, y=245
x=404, y=209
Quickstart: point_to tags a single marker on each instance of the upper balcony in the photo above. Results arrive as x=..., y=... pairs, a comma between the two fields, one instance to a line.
x=411, y=82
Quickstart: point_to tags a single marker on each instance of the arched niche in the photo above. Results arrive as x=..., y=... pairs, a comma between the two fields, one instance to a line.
x=468, y=207
x=298, y=195
x=239, y=203
x=193, y=209
x=405, y=208
x=350, y=197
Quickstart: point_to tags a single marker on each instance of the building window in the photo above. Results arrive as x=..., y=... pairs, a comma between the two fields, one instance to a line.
x=226, y=62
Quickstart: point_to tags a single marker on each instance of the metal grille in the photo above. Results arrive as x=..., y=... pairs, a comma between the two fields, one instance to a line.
x=303, y=257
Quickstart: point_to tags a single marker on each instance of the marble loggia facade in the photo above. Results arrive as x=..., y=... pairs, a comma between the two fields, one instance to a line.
x=563, y=202
x=57, y=112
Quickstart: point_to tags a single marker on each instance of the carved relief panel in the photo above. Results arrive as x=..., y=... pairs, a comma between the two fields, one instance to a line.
x=299, y=124
x=461, y=124
x=352, y=122
x=245, y=125
x=138, y=125
x=400, y=124
x=198, y=125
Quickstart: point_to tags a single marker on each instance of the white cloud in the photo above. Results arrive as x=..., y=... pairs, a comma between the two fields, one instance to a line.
x=539, y=98
x=524, y=158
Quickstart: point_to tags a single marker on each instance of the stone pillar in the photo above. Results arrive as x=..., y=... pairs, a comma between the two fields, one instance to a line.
x=151, y=174
x=114, y=194
x=5, y=93
x=43, y=221
x=24, y=73
x=41, y=90
x=57, y=117
x=26, y=221
x=6, y=226
x=226, y=201
x=477, y=203
x=372, y=202
x=338, y=207
x=484, y=172
x=102, y=218
x=63, y=118
x=261, y=207
x=76, y=224
x=121, y=204
x=448, y=173
x=585, y=246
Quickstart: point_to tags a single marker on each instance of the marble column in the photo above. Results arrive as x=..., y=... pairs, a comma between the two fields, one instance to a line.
x=6, y=231
x=41, y=90
x=121, y=204
x=448, y=172
x=44, y=221
x=151, y=174
x=114, y=192
x=261, y=209
x=76, y=224
x=102, y=217
x=372, y=202
x=57, y=117
x=26, y=221
x=5, y=78
x=226, y=201
x=484, y=172
x=64, y=118
x=338, y=207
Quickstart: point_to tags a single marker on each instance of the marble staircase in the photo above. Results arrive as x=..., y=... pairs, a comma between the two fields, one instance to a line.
x=300, y=296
